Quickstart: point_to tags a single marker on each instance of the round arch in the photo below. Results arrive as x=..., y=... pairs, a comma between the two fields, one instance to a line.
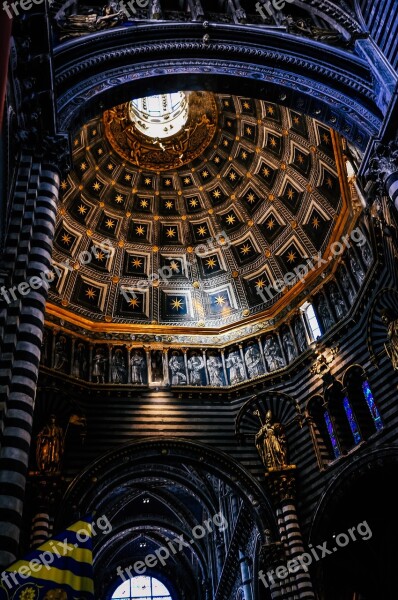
x=111, y=67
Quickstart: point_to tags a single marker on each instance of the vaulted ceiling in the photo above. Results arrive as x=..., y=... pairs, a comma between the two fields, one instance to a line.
x=238, y=199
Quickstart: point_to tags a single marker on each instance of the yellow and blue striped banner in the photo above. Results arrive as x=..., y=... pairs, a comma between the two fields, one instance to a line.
x=60, y=569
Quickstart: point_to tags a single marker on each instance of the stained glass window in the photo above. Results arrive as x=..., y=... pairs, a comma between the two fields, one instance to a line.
x=142, y=588
x=332, y=435
x=372, y=406
x=352, y=421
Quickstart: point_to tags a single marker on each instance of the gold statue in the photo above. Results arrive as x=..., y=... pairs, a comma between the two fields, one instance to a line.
x=392, y=333
x=50, y=447
x=271, y=443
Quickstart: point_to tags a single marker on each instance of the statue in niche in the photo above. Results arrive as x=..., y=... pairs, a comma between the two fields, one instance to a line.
x=118, y=367
x=357, y=270
x=177, y=368
x=347, y=287
x=50, y=447
x=288, y=346
x=300, y=335
x=306, y=27
x=253, y=360
x=99, y=365
x=61, y=358
x=44, y=348
x=324, y=313
x=235, y=367
x=137, y=364
x=337, y=302
x=79, y=367
x=76, y=25
x=271, y=443
x=215, y=369
x=157, y=366
x=272, y=354
x=391, y=324
x=195, y=368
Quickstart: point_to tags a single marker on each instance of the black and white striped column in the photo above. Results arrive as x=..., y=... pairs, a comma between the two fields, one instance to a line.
x=30, y=245
x=392, y=188
x=41, y=529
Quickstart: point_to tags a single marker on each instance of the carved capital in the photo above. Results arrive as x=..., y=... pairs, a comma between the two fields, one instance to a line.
x=382, y=165
x=281, y=483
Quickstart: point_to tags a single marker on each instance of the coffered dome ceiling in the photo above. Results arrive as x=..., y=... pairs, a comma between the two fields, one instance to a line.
x=214, y=214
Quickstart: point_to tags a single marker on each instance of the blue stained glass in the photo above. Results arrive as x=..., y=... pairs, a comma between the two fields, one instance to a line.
x=352, y=421
x=332, y=435
x=372, y=406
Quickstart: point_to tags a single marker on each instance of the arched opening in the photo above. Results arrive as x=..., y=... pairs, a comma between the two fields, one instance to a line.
x=361, y=397
x=142, y=587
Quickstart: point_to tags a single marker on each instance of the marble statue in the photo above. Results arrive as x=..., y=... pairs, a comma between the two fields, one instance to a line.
x=235, y=368
x=271, y=443
x=288, y=346
x=306, y=28
x=347, y=287
x=50, y=447
x=300, y=335
x=195, y=369
x=137, y=364
x=367, y=254
x=215, y=369
x=79, y=367
x=60, y=359
x=253, y=360
x=177, y=369
x=157, y=366
x=272, y=354
x=118, y=367
x=76, y=25
x=99, y=365
x=337, y=302
x=324, y=313
x=391, y=324
x=357, y=270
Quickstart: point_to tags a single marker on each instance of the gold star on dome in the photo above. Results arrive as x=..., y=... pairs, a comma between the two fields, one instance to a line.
x=271, y=224
x=231, y=219
x=100, y=151
x=315, y=222
x=217, y=159
x=144, y=203
x=76, y=142
x=291, y=257
x=134, y=302
x=66, y=238
x=83, y=166
x=176, y=304
x=110, y=166
x=226, y=143
x=260, y=283
x=226, y=103
x=229, y=123
x=147, y=181
x=326, y=139
x=140, y=230
x=127, y=177
x=205, y=174
x=171, y=232
x=110, y=224
x=296, y=120
x=94, y=132
x=216, y=194
x=244, y=154
x=202, y=230
x=82, y=209
x=290, y=193
x=119, y=198
x=249, y=130
x=329, y=182
x=272, y=141
x=100, y=256
x=169, y=204
x=211, y=263
x=167, y=182
x=64, y=185
x=193, y=202
x=220, y=300
x=97, y=186
x=232, y=176
x=137, y=263
x=246, y=105
x=300, y=158
x=187, y=180
x=174, y=266
x=90, y=293
x=245, y=249
x=270, y=109
x=251, y=197
x=265, y=171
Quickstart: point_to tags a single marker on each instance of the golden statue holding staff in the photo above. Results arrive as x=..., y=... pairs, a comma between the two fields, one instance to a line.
x=50, y=447
x=271, y=443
